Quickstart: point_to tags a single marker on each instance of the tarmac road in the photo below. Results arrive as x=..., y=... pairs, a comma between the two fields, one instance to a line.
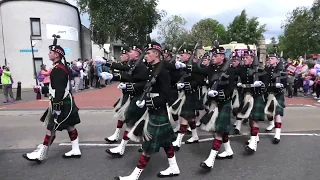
x=295, y=158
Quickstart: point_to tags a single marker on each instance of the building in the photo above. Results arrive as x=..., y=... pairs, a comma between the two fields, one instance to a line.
x=30, y=24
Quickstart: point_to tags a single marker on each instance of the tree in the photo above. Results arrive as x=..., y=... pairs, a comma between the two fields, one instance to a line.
x=129, y=21
x=270, y=47
x=273, y=40
x=295, y=40
x=172, y=30
x=244, y=30
x=208, y=30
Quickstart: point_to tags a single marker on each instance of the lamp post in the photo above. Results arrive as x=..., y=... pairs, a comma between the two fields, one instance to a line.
x=33, y=61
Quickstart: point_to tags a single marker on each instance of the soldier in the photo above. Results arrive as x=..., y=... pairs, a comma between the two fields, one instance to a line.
x=185, y=105
x=154, y=128
x=221, y=82
x=252, y=81
x=62, y=113
x=122, y=104
x=135, y=78
x=175, y=76
x=203, y=91
x=270, y=118
x=276, y=81
x=236, y=97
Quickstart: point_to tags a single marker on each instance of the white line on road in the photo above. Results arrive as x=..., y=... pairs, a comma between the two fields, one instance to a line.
x=201, y=140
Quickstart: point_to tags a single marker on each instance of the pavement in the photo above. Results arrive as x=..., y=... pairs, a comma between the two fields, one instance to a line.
x=87, y=99
x=295, y=158
x=104, y=98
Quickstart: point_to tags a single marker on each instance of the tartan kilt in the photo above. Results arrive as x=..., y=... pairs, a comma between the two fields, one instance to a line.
x=257, y=112
x=281, y=104
x=72, y=120
x=200, y=105
x=133, y=113
x=188, y=109
x=223, y=121
x=162, y=134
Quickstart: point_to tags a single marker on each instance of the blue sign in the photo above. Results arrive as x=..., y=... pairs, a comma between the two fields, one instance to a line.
x=28, y=50
x=66, y=51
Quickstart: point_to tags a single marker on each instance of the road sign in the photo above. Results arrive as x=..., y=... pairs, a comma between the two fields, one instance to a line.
x=67, y=51
x=28, y=50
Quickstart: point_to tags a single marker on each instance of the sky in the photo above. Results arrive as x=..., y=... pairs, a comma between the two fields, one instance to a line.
x=271, y=12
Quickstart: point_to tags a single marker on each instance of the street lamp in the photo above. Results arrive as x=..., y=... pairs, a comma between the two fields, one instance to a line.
x=34, y=62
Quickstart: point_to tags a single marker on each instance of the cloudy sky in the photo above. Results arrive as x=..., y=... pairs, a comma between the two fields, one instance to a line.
x=271, y=12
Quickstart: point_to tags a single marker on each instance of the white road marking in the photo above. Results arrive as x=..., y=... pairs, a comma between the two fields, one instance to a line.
x=200, y=140
x=3, y=107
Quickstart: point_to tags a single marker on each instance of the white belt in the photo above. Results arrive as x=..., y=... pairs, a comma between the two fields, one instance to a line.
x=153, y=95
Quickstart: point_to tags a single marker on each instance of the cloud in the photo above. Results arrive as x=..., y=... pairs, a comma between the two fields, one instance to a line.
x=271, y=12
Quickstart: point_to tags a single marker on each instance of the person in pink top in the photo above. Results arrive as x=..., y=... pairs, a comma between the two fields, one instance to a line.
x=46, y=74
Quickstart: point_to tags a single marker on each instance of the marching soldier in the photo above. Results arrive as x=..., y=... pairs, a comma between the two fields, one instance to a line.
x=276, y=81
x=62, y=113
x=185, y=105
x=236, y=97
x=175, y=76
x=154, y=129
x=122, y=104
x=252, y=81
x=270, y=118
x=135, y=78
x=221, y=82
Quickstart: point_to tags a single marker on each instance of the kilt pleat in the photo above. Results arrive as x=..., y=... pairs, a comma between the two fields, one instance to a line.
x=133, y=113
x=162, y=134
x=188, y=110
x=223, y=121
x=257, y=112
x=281, y=104
x=70, y=120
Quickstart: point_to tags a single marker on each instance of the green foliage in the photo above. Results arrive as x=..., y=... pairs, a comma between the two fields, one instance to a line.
x=245, y=30
x=301, y=31
x=207, y=30
x=129, y=21
x=171, y=30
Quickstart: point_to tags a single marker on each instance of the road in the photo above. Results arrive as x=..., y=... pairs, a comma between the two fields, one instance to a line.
x=295, y=158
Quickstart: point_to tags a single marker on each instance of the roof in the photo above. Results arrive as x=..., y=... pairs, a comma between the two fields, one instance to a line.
x=57, y=1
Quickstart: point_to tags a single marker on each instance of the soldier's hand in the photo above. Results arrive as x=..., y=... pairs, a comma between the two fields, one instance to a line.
x=258, y=84
x=122, y=86
x=179, y=65
x=213, y=93
x=239, y=84
x=141, y=104
x=180, y=85
x=279, y=85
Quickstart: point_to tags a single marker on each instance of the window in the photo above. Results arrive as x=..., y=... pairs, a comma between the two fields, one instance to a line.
x=35, y=26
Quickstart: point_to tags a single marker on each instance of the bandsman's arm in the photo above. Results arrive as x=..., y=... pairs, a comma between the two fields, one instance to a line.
x=59, y=81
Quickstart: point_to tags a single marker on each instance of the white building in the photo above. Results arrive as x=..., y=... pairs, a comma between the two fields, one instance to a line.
x=22, y=19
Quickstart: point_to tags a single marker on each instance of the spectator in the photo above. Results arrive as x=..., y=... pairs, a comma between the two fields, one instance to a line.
x=76, y=75
x=1, y=69
x=46, y=81
x=7, y=81
x=86, y=72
